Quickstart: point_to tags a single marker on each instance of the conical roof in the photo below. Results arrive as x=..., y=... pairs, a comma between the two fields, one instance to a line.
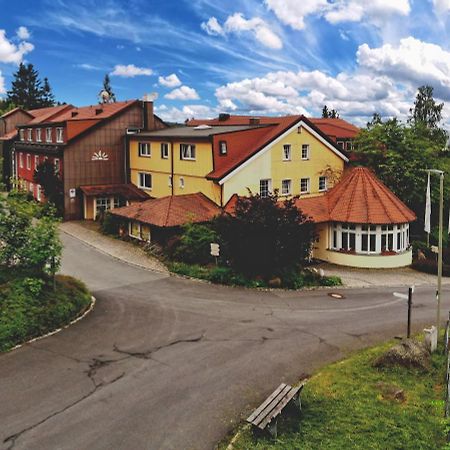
x=360, y=197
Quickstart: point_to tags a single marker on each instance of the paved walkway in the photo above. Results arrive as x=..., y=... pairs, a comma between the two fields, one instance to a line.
x=88, y=232
x=357, y=278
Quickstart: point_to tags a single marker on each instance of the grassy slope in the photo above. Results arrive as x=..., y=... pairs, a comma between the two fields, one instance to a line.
x=27, y=312
x=344, y=409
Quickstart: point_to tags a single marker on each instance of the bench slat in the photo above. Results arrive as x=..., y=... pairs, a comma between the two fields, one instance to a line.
x=255, y=413
x=269, y=407
x=279, y=407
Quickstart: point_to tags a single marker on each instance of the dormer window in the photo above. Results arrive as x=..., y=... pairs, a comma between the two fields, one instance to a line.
x=48, y=135
x=59, y=135
x=38, y=135
x=22, y=134
x=30, y=134
x=223, y=148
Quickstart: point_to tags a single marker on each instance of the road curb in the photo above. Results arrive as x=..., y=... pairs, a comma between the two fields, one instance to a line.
x=51, y=333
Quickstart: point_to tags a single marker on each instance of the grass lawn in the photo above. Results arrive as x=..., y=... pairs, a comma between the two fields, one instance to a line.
x=344, y=408
x=224, y=275
x=29, y=307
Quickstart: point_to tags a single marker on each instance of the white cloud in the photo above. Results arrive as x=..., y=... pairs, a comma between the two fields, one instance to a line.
x=87, y=66
x=294, y=12
x=2, y=84
x=23, y=33
x=441, y=6
x=12, y=53
x=212, y=27
x=183, y=93
x=170, y=81
x=187, y=112
x=237, y=24
x=412, y=61
x=130, y=71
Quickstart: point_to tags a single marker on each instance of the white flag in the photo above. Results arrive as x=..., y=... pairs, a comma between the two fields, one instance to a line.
x=428, y=208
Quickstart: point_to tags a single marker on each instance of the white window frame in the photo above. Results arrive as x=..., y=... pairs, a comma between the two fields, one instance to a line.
x=170, y=182
x=59, y=135
x=144, y=149
x=38, y=193
x=182, y=183
x=289, y=191
x=21, y=160
x=262, y=192
x=308, y=185
x=38, y=135
x=57, y=165
x=22, y=134
x=223, y=148
x=30, y=134
x=187, y=152
x=130, y=228
x=28, y=161
x=287, y=152
x=36, y=161
x=144, y=174
x=308, y=152
x=48, y=135
x=164, y=150
x=325, y=180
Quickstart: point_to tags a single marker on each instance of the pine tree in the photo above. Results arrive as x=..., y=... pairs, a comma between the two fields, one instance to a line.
x=329, y=113
x=106, y=94
x=426, y=111
x=27, y=90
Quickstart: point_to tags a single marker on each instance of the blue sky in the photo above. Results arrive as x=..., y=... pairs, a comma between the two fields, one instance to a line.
x=250, y=57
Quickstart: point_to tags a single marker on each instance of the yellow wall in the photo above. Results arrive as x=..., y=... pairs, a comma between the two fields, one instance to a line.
x=271, y=165
x=193, y=172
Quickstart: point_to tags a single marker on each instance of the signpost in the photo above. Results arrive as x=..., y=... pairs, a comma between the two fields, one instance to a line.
x=409, y=298
x=215, y=250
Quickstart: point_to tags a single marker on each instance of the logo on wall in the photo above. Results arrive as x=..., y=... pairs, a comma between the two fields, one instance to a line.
x=100, y=156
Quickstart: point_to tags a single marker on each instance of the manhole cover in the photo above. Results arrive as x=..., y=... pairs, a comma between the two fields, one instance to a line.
x=336, y=296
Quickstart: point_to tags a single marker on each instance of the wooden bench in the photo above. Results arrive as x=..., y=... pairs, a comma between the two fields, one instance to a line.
x=265, y=417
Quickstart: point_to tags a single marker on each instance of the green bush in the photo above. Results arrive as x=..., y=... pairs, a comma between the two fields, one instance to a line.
x=430, y=266
x=194, y=245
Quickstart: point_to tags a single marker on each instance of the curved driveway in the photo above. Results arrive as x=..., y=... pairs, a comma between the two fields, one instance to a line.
x=167, y=363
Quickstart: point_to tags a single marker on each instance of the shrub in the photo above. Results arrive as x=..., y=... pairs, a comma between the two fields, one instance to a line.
x=194, y=244
x=430, y=266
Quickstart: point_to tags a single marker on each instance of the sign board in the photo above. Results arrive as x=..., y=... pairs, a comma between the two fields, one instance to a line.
x=215, y=249
x=72, y=193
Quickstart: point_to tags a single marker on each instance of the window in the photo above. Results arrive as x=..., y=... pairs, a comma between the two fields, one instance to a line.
x=164, y=150
x=21, y=160
x=286, y=187
x=31, y=188
x=287, y=152
x=349, y=146
x=22, y=134
x=144, y=149
x=30, y=134
x=57, y=165
x=118, y=202
x=48, y=135
x=38, y=135
x=304, y=185
x=145, y=180
x=170, y=180
x=181, y=182
x=223, y=148
x=305, y=151
x=187, y=151
x=59, y=135
x=341, y=144
x=102, y=204
x=264, y=188
x=29, y=162
x=38, y=192
x=323, y=183
x=135, y=230
x=348, y=237
x=36, y=161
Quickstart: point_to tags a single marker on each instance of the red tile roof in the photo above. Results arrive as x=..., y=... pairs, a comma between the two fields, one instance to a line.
x=95, y=112
x=171, y=211
x=7, y=136
x=336, y=128
x=44, y=115
x=12, y=111
x=360, y=197
x=128, y=191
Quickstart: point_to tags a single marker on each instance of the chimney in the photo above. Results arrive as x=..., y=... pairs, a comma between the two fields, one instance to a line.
x=149, y=117
x=223, y=117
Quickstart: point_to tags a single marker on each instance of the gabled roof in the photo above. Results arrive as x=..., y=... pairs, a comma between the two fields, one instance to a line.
x=13, y=111
x=171, y=211
x=44, y=115
x=360, y=197
x=336, y=128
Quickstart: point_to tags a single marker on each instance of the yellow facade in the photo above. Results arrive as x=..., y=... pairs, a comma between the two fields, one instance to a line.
x=271, y=165
x=173, y=175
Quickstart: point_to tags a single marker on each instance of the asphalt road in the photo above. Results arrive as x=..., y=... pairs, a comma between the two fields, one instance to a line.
x=168, y=363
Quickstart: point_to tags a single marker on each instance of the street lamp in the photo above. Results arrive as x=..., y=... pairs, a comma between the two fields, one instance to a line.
x=441, y=219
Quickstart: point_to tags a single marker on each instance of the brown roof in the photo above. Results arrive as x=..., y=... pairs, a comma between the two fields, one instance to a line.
x=44, y=115
x=360, y=197
x=10, y=135
x=171, y=211
x=12, y=111
x=336, y=128
x=127, y=191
